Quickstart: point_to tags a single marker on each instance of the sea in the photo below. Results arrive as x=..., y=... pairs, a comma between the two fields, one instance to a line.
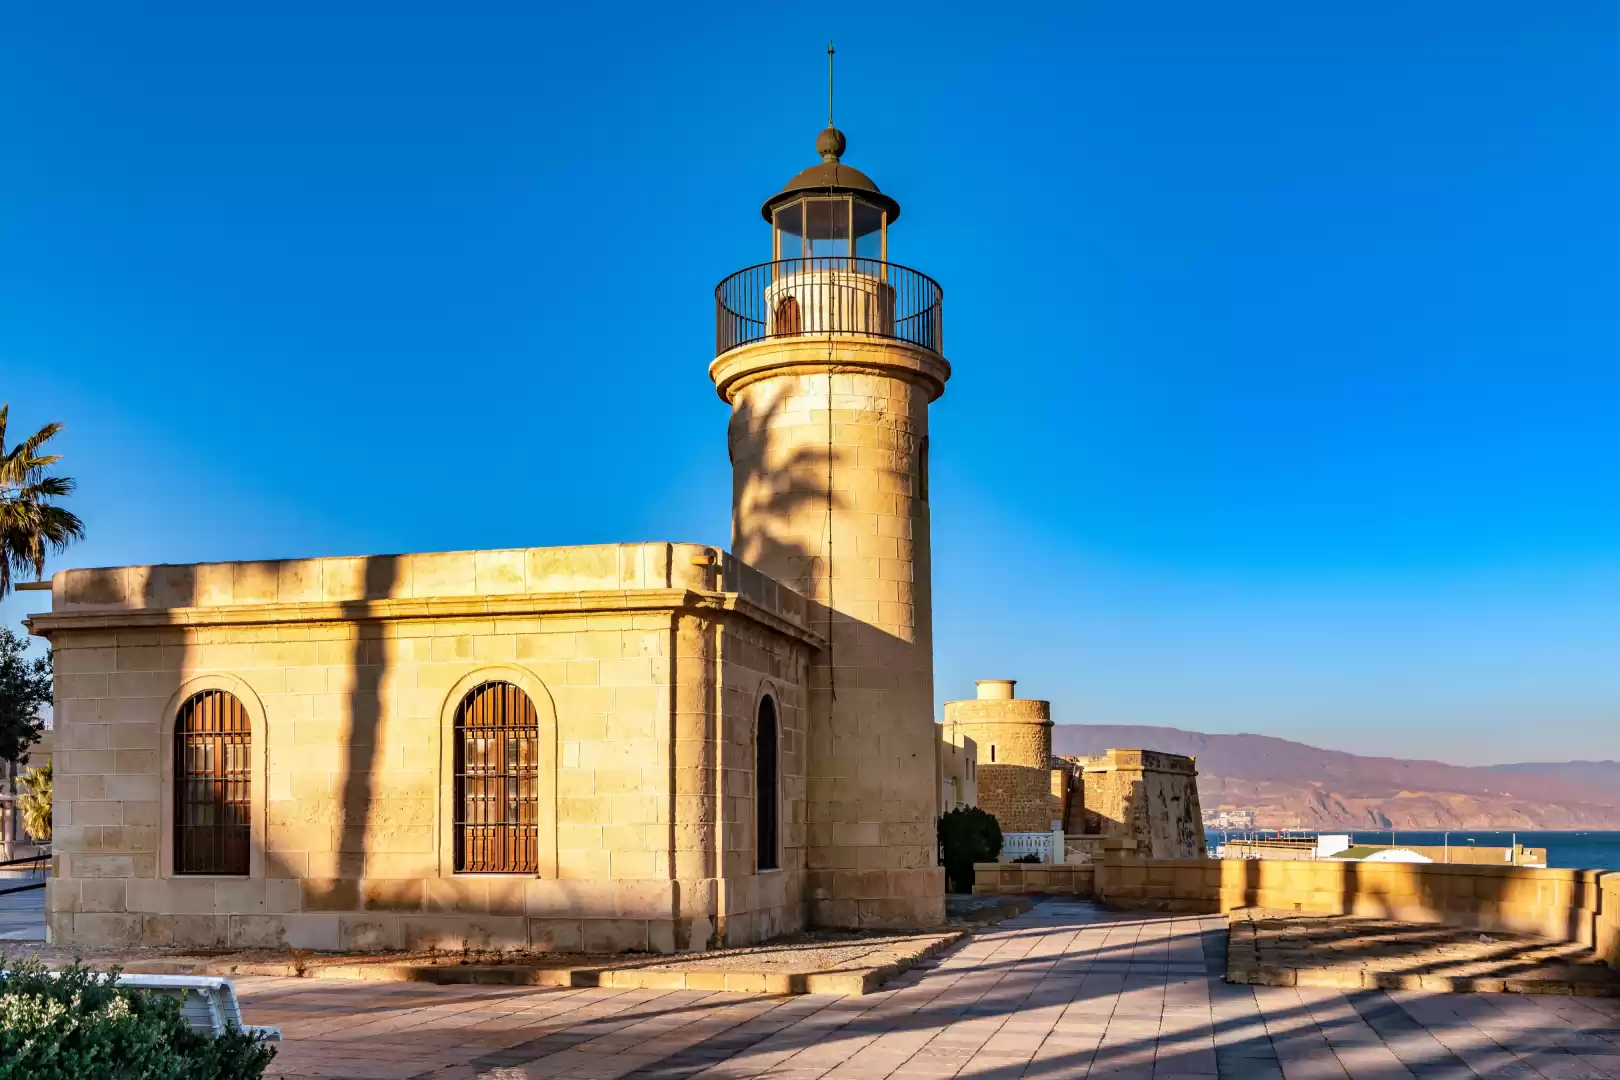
x=1579, y=850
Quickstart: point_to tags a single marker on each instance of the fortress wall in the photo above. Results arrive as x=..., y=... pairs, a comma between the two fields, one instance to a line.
x=1145, y=796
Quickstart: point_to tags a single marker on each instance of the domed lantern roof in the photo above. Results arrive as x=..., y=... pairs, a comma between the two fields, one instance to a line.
x=832, y=177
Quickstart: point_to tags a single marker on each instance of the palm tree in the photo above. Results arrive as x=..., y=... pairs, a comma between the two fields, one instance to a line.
x=35, y=802
x=29, y=524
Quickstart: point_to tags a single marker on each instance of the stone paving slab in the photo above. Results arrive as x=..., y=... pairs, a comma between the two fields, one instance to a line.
x=1274, y=948
x=1064, y=990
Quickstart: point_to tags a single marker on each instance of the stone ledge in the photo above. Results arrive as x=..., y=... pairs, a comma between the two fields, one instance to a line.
x=461, y=607
x=840, y=966
x=846, y=965
x=1357, y=979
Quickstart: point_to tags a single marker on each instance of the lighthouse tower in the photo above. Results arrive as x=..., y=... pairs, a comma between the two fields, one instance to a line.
x=829, y=354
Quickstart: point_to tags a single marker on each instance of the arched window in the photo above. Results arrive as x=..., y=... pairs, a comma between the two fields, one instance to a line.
x=213, y=790
x=787, y=316
x=765, y=797
x=497, y=782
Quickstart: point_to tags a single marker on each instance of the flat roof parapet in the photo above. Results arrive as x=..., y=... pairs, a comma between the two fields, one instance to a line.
x=508, y=580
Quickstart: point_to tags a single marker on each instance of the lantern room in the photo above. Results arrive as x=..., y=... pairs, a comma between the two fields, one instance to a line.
x=829, y=270
x=830, y=210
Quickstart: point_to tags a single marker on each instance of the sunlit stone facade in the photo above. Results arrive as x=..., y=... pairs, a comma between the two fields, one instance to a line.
x=648, y=746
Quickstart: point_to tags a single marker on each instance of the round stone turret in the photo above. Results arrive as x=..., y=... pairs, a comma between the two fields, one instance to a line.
x=1014, y=736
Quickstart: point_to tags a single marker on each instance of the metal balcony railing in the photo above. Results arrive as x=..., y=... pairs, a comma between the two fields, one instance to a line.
x=828, y=295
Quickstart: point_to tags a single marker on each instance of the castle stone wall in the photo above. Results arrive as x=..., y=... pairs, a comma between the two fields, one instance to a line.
x=1147, y=797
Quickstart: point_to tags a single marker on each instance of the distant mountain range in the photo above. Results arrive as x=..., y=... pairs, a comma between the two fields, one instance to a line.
x=1290, y=784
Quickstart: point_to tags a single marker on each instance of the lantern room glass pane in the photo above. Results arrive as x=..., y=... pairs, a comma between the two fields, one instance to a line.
x=789, y=222
x=868, y=231
x=827, y=227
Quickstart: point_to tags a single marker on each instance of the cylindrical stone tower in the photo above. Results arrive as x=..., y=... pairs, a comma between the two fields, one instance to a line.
x=1014, y=736
x=829, y=355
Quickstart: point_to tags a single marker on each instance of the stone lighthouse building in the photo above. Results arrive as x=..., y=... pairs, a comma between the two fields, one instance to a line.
x=829, y=355
x=641, y=746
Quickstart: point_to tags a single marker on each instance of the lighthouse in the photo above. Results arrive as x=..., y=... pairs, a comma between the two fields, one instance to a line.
x=829, y=353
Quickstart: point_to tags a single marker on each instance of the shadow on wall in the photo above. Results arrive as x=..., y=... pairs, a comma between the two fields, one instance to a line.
x=368, y=657
x=800, y=490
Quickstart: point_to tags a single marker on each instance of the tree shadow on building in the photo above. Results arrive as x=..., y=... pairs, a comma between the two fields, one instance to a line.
x=354, y=837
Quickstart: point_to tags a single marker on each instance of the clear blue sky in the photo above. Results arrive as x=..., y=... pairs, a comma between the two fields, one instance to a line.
x=1285, y=335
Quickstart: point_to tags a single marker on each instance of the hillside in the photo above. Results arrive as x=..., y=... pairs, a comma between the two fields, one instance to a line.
x=1601, y=774
x=1291, y=784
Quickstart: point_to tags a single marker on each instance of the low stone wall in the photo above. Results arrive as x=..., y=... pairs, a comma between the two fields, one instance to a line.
x=1565, y=905
x=1561, y=904
x=1184, y=886
x=1032, y=879
x=1608, y=920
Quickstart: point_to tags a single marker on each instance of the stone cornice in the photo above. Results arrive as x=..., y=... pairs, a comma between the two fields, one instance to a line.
x=459, y=607
x=841, y=354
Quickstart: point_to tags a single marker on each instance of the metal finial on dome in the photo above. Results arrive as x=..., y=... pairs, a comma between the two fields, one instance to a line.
x=829, y=83
x=830, y=144
x=831, y=176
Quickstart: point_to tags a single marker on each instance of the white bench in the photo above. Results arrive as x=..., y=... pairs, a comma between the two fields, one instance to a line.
x=207, y=1002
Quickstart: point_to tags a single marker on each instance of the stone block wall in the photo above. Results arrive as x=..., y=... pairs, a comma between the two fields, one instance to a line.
x=646, y=678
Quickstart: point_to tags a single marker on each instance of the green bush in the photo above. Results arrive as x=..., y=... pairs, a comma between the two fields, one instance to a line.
x=1032, y=858
x=77, y=1025
x=967, y=835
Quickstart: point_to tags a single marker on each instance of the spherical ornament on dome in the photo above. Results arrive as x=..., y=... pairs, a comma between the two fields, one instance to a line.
x=830, y=144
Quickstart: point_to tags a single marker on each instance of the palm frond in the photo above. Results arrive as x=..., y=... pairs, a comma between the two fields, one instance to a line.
x=48, y=487
x=30, y=525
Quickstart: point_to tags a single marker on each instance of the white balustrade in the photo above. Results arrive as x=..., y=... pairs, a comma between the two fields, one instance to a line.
x=1017, y=844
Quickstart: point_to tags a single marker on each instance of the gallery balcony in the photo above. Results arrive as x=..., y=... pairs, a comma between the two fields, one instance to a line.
x=828, y=296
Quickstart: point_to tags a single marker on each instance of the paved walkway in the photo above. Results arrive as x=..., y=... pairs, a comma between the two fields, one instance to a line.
x=1063, y=991
x=22, y=915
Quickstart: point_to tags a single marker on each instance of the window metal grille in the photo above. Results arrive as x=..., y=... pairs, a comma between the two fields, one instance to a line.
x=765, y=798
x=213, y=796
x=497, y=782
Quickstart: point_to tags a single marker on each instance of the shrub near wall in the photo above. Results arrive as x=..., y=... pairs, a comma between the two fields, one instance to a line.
x=967, y=835
x=77, y=1025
